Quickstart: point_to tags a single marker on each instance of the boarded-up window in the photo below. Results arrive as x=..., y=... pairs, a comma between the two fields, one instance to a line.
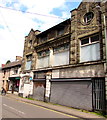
x=40, y=75
x=28, y=65
x=43, y=62
x=43, y=59
x=61, y=55
x=28, y=62
x=61, y=58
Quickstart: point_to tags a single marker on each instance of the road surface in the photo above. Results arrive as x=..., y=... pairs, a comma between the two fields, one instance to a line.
x=12, y=108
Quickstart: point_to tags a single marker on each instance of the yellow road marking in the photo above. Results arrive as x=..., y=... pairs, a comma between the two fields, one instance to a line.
x=52, y=110
x=71, y=116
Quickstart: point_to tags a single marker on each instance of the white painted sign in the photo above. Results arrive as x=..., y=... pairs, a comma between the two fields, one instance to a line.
x=26, y=90
x=48, y=86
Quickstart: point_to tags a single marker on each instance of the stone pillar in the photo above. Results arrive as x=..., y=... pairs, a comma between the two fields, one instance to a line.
x=51, y=57
x=105, y=31
x=34, y=60
x=103, y=11
x=74, y=41
x=48, y=88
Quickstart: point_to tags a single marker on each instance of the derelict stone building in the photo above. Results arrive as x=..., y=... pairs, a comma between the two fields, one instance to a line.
x=68, y=61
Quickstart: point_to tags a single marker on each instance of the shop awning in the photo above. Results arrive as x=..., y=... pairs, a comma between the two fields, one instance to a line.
x=14, y=78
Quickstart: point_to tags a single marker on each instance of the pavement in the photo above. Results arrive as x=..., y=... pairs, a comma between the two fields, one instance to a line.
x=67, y=110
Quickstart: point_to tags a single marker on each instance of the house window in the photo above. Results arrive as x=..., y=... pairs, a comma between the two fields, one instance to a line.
x=42, y=39
x=85, y=41
x=4, y=72
x=88, y=17
x=60, y=31
x=28, y=62
x=15, y=71
x=61, y=48
x=30, y=42
x=43, y=53
x=61, y=55
x=90, y=49
x=43, y=59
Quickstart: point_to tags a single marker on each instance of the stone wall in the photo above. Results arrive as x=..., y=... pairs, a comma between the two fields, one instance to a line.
x=79, y=71
x=81, y=29
x=83, y=71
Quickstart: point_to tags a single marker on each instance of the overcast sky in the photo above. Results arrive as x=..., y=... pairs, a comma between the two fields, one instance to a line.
x=18, y=17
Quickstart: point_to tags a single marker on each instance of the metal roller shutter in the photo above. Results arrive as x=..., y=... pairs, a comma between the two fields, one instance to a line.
x=77, y=94
x=39, y=90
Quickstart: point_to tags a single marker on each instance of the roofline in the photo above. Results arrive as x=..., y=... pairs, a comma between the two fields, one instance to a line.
x=10, y=65
x=53, y=27
x=73, y=10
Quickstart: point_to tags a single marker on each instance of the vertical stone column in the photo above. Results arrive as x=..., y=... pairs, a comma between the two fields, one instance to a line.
x=51, y=57
x=102, y=8
x=48, y=88
x=20, y=86
x=34, y=60
x=31, y=84
x=74, y=39
x=105, y=32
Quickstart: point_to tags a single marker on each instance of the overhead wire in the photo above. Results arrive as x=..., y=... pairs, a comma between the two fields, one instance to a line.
x=23, y=12
x=5, y=21
x=7, y=26
x=31, y=12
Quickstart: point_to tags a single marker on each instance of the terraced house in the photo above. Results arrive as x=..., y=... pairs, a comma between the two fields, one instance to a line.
x=10, y=78
x=67, y=63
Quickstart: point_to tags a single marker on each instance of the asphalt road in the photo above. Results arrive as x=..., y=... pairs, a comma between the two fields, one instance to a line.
x=16, y=109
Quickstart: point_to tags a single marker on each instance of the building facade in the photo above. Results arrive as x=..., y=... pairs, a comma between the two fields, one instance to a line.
x=67, y=62
x=28, y=64
x=11, y=76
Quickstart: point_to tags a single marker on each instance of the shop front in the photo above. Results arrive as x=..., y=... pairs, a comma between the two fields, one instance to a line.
x=26, y=85
x=14, y=84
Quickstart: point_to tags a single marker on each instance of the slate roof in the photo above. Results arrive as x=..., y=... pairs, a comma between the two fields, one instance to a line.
x=12, y=64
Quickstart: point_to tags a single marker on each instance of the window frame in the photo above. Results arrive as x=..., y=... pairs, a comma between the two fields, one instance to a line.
x=16, y=71
x=28, y=59
x=61, y=48
x=88, y=44
x=60, y=31
x=86, y=19
x=44, y=53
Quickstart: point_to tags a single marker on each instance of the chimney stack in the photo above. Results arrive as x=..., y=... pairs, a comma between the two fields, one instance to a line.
x=18, y=58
